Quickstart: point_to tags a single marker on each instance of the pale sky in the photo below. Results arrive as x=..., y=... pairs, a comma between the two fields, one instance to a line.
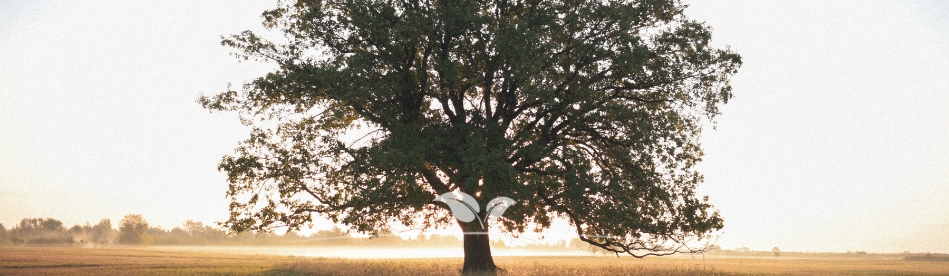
x=837, y=138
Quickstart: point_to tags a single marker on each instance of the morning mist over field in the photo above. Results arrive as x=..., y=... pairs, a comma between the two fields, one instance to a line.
x=835, y=140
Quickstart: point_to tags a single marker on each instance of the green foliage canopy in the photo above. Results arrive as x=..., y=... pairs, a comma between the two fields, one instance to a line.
x=588, y=110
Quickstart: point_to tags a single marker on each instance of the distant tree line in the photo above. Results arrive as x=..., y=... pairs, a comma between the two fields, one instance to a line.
x=133, y=229
x=39, y=231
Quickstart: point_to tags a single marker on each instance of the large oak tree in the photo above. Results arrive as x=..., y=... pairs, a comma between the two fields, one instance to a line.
x=586, y=110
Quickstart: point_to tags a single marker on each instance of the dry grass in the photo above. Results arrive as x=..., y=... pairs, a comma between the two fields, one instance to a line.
x=164, y=261
x=129, y=261
x=512, y=266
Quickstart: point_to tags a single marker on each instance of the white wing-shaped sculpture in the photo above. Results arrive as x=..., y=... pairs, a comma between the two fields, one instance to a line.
x=497, y=206
x=463, y=206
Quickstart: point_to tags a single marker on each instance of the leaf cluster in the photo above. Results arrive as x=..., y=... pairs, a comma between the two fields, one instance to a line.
x=589, y=110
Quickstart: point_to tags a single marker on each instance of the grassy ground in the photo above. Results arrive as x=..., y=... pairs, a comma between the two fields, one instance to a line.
x=130, y=261
x=163, y=261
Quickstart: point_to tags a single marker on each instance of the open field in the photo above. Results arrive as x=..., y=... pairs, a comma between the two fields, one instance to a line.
x=175, y=261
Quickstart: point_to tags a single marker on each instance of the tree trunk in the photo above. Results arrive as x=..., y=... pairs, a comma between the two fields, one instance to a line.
x=478, y=257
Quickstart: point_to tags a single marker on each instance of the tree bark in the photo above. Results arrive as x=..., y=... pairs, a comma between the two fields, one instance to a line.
x=478, y=257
